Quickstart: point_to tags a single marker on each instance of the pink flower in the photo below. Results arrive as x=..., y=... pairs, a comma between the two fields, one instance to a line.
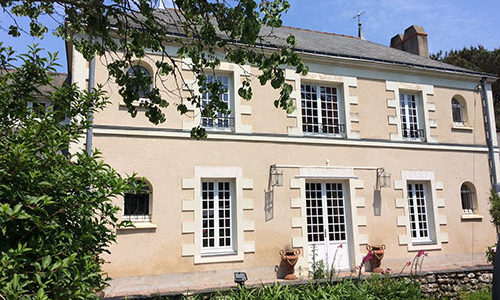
x=388, y=270
x=408, y=263
x=420, y=253
x=368, y=257
x=340, y=246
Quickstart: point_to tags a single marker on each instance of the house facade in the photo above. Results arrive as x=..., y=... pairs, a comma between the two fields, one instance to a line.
x=385, y=147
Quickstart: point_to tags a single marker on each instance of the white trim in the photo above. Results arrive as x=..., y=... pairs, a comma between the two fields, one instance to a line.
x=287, y=139
x=234, y=72
x=140, y=225
x=435, y=221
x=422, y=91
x=240, y=245
x=341, y=83
x=356, y=239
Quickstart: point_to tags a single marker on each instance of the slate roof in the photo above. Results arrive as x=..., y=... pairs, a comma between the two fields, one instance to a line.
x=336, y=45
x=348, y=47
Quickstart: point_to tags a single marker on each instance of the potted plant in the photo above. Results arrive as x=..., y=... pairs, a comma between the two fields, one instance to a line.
x=290, y=256
x=376, y=258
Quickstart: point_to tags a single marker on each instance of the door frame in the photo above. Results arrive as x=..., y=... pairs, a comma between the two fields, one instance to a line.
x=346, y=192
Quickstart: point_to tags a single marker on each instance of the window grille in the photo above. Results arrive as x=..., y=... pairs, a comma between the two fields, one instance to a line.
x=137, y=206
x=321, y=110
x=223, y=121
x=217, y=215
x=410, y=120
x=417, y=205
x=133, y=72
x=457, y=111
x=467, y=196
x=325, y=212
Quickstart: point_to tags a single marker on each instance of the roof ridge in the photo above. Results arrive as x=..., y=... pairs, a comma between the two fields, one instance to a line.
x=323, y=32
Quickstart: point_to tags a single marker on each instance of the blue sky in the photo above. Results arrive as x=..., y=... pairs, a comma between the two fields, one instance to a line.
x=451, y=24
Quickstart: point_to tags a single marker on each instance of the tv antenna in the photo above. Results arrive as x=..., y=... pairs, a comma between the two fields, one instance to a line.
x=360, y=25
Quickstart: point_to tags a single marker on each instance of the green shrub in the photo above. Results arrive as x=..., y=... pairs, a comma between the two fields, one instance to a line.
x=372, y=288
x=56, y=213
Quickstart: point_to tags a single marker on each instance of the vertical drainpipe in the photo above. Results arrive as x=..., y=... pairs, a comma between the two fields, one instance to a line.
x=489, y=135
x=493, y=179
x=90, y=130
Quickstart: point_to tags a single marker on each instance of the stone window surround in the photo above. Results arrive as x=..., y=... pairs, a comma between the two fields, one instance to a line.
x=437, y=220
x=423, y=91
x=241, y=225
x=235, y=72
x=342, y=83
x=352, y=202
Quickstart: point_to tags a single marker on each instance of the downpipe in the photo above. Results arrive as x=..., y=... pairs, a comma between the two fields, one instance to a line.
x=90, y=130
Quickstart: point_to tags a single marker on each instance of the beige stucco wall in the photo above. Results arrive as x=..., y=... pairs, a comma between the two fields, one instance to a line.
x=166, y=161
x=166, y=157
x=264, y=118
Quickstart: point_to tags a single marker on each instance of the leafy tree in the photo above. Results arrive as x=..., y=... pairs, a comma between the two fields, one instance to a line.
x=478, y=59
x=56, y=212
x=239, y=31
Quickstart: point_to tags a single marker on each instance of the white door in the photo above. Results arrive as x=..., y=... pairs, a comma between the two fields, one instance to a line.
x=326, y=225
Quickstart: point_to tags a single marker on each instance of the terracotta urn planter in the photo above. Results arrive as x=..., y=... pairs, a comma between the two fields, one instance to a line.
x=290, y=258
x=377, y=255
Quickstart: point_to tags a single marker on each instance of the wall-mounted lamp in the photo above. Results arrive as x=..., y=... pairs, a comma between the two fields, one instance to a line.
x=240, y=278
x=276, y=177
x=383, y=179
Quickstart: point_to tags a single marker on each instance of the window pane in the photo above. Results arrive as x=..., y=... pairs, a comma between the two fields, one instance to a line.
x=222, y=120
x=218, y=230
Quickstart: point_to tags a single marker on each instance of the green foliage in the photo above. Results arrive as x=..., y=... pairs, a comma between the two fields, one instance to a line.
x=205, y=31
x=490, y=254
x=56, y=213
x=494, y=208
x=477, y=59
x=318, y=268
x=374, y=287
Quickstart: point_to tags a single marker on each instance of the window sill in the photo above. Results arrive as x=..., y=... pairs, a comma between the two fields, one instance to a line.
x=423, y=243
x=325, y=135
x=140, y=225
x=471, y=217
x=461, y=127
x=226, y=253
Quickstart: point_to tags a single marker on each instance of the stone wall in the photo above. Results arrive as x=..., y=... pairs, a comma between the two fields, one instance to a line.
x=450, y=283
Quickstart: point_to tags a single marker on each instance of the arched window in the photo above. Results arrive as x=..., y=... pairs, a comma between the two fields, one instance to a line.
x=140, y=71
x=468, y=195
x=137, y=204
x=458, y=111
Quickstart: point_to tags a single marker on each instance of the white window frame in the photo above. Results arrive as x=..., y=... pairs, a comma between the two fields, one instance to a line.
x=404, y=98
x=467, y=211
x=230, y=105
x=149, y=73
x=419, y=238
x=319, y=111
x=217, y=249
x=324, y=206
x=461, y=108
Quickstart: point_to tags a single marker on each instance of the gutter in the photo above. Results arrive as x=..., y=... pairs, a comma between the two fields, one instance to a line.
x=90, y=130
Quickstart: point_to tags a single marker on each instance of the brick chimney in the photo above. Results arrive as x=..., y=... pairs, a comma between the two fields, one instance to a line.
x=414, y=41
